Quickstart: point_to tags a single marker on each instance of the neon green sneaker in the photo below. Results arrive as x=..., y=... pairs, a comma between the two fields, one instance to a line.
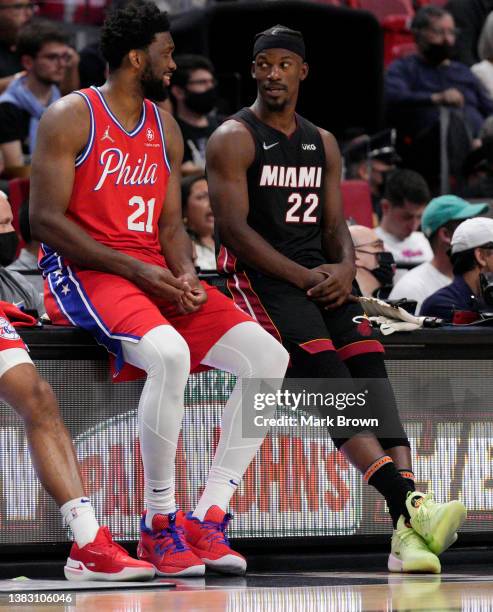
x=435, y=523
x=409, y=552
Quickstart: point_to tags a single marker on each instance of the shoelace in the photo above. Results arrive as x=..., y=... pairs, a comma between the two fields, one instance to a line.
x=177, y=540
x=113, y=546
x=217, y=530
x=422, y=513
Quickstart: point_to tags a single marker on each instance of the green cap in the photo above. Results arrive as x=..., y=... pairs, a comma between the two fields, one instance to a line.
x=447, y=208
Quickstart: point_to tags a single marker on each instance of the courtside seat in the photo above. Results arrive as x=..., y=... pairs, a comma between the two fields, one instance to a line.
x=398, y=40
x=356, y=199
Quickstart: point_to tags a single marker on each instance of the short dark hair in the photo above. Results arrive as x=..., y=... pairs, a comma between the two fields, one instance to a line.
x=131, y=27
x=186, y=187
x=451, y=226
x=463, y=262
x=423, y=17
x=186, y=64
x=35, y=34
x=405, y=185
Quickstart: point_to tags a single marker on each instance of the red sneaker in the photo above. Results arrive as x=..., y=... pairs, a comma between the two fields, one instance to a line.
x=208, y=540
x=103, y=559
x=166, y=548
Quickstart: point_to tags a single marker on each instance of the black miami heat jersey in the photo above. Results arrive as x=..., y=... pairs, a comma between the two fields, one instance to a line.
x=285, y=191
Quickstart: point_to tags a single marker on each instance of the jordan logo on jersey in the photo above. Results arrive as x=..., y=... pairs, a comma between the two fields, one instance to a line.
x=124, y=171
x=106, y=135
x=281, y=176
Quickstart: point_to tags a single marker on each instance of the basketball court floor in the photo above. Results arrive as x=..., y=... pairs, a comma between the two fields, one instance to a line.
x=468, y=588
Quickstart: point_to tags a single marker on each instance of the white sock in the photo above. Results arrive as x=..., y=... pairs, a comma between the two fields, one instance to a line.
x=79, y=515
x=249, y=352
x=164, y=355
x=160, y=498
x=221, y=485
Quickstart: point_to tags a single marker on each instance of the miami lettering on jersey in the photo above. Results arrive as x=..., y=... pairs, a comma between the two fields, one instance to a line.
x=297, y=177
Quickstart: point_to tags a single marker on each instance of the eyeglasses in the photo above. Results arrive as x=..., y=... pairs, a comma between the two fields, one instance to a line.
x=443, y=32
x=19, y=6
x=377, y=244
x=63, y=58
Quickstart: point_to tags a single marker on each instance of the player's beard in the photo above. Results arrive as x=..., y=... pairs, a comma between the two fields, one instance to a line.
x=152, y=86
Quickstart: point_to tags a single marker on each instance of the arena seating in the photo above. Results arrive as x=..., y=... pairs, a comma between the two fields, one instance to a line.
x=356, y=199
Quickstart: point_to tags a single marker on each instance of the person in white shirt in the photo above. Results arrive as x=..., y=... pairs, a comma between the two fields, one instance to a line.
x=439, y=221
x=484, y=69
x=406, y=195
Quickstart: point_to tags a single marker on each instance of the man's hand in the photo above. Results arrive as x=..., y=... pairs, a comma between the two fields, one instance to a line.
x=195, y=295
x=449, y=97
x=336, y=288
x=160, y=282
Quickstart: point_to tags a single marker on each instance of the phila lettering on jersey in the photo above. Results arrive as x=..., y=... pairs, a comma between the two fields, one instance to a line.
x=120, y=183
x=285, y=191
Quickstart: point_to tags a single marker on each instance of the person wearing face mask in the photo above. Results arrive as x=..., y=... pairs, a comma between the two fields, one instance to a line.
x=194, y=97
x=471, y=255
x=375, y=266
x=416, y=86
x=439, y=221
x=14, y=287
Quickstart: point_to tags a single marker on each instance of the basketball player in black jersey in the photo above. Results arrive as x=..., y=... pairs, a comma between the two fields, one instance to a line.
x=274, y=185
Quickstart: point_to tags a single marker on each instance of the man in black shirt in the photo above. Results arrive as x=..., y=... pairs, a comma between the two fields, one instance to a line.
x=194, y=97
x=45, y=55
x=274, y=184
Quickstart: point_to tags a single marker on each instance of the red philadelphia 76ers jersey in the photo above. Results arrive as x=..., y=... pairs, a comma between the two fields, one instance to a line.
x=121, y=179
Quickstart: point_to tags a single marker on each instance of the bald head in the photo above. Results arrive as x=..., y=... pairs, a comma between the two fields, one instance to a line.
x=363, y=235
x=6, y=216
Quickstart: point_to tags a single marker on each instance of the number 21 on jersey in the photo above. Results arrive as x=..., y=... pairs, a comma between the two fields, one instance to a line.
x=140, y=220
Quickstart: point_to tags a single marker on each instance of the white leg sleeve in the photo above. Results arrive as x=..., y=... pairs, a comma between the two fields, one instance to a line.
x=12, y=357
x=164, y=355
x=247, y=351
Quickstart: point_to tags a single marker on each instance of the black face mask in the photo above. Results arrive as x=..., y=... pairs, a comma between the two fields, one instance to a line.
x=8, y=247
x=201, y=103
x=384, y=272
x=436, y=54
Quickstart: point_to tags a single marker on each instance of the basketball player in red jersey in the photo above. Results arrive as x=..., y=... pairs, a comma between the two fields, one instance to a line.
x=52, y=453
x=105, y=202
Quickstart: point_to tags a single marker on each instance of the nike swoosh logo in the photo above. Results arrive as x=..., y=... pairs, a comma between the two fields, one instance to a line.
x=233, y=482
x=267, y=147
x=84, y=501
x=160, y=490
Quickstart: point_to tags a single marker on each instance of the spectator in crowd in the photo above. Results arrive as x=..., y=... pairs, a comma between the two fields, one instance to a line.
x=13, y=15
x=406, y=195
x=478, y=166
x=92, y=65
x=484, y=69
x=375, y=266
x=469, y=15
x=14, y=287
x=371, y=164
x=472, y=256
x=418, y=84
x=440, y=219
x=45, y=55
x=27, y=261
x=199, y=220
x=194, y=96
